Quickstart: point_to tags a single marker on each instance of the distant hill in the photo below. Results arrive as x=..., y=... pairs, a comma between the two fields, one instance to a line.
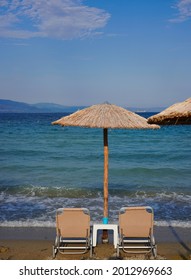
x=144, y=110
x=9, y=106
x=56, y=108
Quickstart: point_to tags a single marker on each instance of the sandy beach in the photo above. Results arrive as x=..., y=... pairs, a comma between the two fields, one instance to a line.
x=173, y=243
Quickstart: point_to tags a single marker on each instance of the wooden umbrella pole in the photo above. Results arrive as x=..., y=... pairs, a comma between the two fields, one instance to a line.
x=105, y=183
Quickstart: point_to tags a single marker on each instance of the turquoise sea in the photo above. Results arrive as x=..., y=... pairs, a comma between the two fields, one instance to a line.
x=44, y=167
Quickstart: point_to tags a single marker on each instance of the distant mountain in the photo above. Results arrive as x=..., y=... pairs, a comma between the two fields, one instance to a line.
x=144, y=110
x=55, y=108
x=9, y=106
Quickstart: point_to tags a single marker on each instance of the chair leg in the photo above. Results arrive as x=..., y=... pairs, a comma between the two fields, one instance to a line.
x=91, y=251
x=54, y=251
x=154, y=251
x=56, y=246
x=154, y=247
x=117, y=250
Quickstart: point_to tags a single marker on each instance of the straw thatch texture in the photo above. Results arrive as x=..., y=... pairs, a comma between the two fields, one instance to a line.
x=176, y=114
x=105, y=116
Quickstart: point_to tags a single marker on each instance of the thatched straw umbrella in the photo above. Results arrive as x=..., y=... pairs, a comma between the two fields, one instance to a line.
x=105, y=116
x=176, y=114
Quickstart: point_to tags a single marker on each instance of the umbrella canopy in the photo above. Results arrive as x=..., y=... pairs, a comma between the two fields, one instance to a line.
x=105, y=116
x=176, y=114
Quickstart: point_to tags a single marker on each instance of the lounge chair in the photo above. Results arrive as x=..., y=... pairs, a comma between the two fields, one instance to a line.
x=73, y=235
x=136, y=230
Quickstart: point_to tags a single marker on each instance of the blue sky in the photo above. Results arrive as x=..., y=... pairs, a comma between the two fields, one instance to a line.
x=72, y=52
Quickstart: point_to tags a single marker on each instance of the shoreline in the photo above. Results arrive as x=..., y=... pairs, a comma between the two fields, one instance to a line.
x=32, y=243
x=162, y=233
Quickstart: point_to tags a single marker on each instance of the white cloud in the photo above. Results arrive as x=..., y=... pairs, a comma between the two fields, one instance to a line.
x=184, y=11
x=63, y=19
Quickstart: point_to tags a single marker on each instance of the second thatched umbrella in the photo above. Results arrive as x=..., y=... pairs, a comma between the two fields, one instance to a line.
x=105, y=116
x=179, y=113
